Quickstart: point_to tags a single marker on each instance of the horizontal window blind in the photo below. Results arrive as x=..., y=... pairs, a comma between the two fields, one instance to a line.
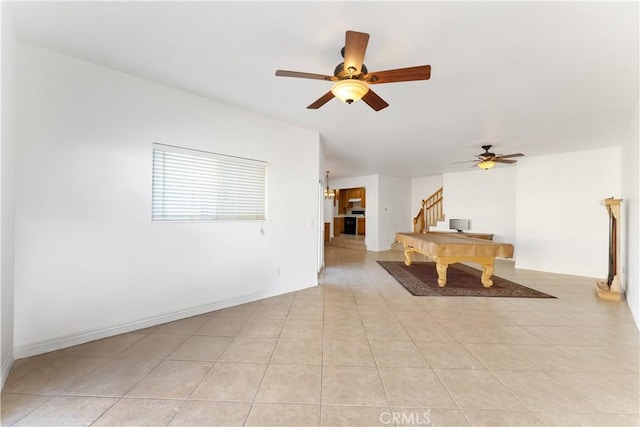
x=192, y=185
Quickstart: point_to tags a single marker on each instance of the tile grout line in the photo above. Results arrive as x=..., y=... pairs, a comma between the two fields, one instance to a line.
x=268, y=363
x=324, y=307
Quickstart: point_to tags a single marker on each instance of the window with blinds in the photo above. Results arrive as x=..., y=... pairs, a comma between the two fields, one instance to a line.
x=192, y=185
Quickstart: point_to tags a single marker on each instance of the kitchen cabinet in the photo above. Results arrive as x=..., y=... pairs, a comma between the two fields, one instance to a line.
x=338, y=226
x=361, y=226
x=344, y=202
x=344, y=194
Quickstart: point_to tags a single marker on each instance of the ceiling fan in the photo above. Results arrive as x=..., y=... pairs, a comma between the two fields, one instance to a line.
x=487, y=160
x=352, y=79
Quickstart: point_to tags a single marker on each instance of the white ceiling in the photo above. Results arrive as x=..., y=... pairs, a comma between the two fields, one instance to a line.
x=532, y=77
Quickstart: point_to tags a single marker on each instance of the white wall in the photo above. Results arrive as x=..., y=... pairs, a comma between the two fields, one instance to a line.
x=6, y=200
x=421, y=188
x=561, y=226
x=394, y=207
x=325, y=208
x=89, y=262
x=370, y=183
x=630, y=221
x=486, y=197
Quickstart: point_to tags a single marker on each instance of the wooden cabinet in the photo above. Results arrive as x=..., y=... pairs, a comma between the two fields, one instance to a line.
x=327, y=231
x=344, y=194
x=361, y=226
x=344, y=201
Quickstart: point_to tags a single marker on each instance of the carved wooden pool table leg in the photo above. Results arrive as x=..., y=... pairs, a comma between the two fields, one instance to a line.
x=487, y=272
x=441, y=268
x=407, y=254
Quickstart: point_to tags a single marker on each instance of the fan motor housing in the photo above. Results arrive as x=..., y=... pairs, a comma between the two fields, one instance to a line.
x=486, y=153
x=340, y=72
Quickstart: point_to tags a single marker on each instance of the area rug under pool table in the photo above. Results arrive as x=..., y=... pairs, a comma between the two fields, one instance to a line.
x=421, y=279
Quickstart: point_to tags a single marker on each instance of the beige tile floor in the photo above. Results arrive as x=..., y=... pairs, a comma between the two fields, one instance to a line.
x=357, y=350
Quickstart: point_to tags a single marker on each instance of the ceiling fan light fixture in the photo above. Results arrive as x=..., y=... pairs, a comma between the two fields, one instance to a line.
x=486, y=164
x=350, y=90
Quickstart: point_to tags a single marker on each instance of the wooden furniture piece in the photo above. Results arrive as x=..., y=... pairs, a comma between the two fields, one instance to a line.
x=610, y=289
x=485, y=236
x=327, y=231
x=361, y=228
x=449, y=248
x=338, y=225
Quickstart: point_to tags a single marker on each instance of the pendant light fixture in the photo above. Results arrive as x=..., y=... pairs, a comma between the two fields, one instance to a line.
x=328, y=194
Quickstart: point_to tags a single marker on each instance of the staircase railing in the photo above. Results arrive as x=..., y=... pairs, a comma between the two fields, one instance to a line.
x=430, y=213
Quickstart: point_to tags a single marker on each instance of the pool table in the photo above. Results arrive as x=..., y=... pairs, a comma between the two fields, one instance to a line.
x=449, y=248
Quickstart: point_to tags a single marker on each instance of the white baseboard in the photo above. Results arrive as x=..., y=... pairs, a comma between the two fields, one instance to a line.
x=85, y=336
x=7, y=363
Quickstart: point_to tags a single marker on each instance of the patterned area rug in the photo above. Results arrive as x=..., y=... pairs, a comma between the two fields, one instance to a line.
x=421, y=279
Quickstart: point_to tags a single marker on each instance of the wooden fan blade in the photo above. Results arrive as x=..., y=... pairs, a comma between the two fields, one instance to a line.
x=374, y=101
x=284, y=73
x=465, y=161
x=510, y=155
x=321, y=101
x=355, y=47
x=421, y=72
x=501, y=160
